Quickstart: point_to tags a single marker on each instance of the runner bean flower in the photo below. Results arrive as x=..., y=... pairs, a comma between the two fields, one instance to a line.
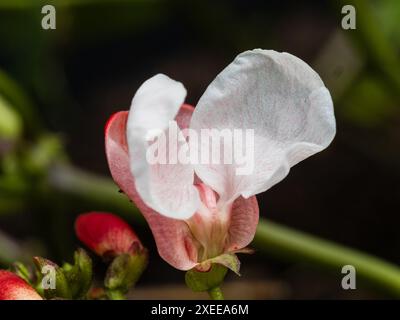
x=205, y=213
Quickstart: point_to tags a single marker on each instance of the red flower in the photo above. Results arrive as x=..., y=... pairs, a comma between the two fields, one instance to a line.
x=106, y=234
x=13, y=287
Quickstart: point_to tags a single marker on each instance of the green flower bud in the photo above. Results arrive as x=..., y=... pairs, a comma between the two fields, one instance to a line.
x=125, y=270
x=80, y=274
x=53, y=280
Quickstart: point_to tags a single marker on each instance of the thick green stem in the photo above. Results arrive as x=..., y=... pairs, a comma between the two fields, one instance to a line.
x=216, y=293
x=290, y=244
x=271, y=238
x=100, y=191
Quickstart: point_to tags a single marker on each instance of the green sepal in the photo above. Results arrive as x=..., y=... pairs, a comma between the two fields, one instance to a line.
x=205, y=280
x=229, y=260
x=23, y=272
x=62, y=289
x=124, y=271
x=80, y=274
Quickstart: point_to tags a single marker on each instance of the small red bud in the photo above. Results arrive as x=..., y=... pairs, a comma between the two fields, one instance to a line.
x=106, y=234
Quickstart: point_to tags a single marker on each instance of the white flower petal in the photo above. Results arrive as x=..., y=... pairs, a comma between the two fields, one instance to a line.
x=166, y=188
x=283, y=100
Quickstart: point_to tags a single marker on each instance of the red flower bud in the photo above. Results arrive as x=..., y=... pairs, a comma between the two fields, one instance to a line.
x=106, y=234
x=13, y=287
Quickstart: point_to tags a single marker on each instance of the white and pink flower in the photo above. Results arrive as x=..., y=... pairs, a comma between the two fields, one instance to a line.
x=199, y=213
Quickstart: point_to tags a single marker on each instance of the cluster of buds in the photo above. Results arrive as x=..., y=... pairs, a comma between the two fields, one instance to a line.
x=106, y=235
x=47, y=280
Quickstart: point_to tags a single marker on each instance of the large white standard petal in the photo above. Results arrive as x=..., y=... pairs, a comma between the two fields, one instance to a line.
x=166, y=188
x=283, y=100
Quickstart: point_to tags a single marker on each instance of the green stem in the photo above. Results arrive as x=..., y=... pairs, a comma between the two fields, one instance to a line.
x=216, y=293
x=115, y=295
x=102, y=192
x=281, y=241
x=271, y=238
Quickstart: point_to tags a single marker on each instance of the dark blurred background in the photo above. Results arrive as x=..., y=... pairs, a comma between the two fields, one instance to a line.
x=68, y=81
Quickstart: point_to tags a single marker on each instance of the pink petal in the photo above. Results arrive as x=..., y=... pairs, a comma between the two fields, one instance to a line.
x=223, y=228
x=243, y=223
x=184, y=116
x=173, y=237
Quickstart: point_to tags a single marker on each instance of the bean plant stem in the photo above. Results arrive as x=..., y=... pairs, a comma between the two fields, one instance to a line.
x=278, y=240
x=271, y=238
x=216, y=293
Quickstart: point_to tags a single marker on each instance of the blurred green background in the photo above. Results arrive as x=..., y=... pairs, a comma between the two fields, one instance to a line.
x=58, y=87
